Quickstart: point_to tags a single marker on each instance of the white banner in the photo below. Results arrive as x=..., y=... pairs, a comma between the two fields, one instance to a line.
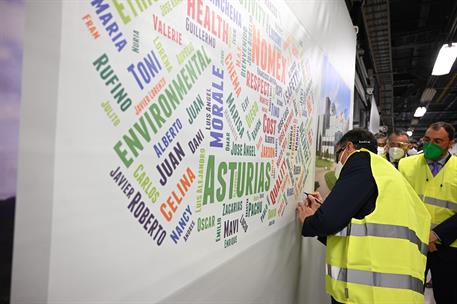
x=184, y=135
x=374, y=117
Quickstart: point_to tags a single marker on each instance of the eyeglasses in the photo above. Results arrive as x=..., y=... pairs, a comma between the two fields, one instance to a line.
x=337, y=153
x=399, y=144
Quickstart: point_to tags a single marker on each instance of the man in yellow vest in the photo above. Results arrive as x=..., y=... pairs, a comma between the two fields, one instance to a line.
x=397, y=147
x=373, y=223
x=433, y=175
x=381, y=139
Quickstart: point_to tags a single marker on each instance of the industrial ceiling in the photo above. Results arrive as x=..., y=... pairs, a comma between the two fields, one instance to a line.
x=398, y=42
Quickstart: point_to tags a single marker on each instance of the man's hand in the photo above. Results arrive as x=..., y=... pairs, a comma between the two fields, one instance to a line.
x=314, y=200
x=314, y=196
x=303, y=211
x=432, y=247
x=432, y=241
x=309, y=206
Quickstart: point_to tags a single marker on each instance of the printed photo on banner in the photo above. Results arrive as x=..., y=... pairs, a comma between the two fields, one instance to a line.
x=332, y=123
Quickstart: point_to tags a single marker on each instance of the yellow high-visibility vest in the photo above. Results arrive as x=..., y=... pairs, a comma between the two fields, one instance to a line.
x=381, y=258
x=439, y=192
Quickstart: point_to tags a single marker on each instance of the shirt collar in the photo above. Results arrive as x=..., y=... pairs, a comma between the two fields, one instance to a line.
x=442, y=161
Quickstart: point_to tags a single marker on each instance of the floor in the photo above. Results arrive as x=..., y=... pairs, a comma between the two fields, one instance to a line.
x=429, y=293
x=429, y=296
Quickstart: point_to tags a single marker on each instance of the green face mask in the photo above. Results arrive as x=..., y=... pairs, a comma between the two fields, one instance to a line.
x=432, y=151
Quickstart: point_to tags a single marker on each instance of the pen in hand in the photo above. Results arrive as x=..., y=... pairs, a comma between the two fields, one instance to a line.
x=317, y=201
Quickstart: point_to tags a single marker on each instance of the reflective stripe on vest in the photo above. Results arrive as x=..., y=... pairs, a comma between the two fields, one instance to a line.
x=378, y=279
x=383, y=230
x=440, y=203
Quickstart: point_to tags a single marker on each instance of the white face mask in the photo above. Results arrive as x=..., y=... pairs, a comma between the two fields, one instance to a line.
x=395, y=154
x=412, y=151
x=381, y=151
x=339, y=166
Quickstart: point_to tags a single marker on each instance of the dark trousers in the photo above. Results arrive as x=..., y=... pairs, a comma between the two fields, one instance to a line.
x=443, y=265
x=335, y=301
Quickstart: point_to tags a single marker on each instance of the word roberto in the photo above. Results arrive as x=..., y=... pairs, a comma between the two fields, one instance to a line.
x=138, y=208
x=249, y=177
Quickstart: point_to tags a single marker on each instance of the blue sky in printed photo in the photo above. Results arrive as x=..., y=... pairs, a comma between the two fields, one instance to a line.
x=12, y=18
x=334, y=87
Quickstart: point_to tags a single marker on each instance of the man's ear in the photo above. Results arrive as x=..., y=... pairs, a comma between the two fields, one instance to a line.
x=351, y=146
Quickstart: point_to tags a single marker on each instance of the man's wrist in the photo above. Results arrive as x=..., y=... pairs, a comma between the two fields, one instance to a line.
x=436, y=235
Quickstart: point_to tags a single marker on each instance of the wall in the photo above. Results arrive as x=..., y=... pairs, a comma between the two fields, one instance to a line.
x=79, y=151
x=329, y=24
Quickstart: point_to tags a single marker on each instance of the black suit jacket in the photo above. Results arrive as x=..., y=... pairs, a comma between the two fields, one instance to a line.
x=353, y=196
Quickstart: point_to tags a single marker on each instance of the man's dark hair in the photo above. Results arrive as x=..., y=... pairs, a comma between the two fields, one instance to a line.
x=446, y=126
x=380, y=135
x=398, y=133
x=360, y=138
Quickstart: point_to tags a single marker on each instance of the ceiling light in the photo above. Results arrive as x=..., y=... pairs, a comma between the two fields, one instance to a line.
x=445, y=59
x=410, y=133
x=420, y=111
x=427, y=95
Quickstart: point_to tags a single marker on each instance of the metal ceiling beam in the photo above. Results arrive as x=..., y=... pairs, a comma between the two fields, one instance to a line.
x=414, y=45
x=446, y=89
x=418, y=32
x=443, y=113
x=376, y=16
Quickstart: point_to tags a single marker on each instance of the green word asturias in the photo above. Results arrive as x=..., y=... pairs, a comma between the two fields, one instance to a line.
x=249, y=178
